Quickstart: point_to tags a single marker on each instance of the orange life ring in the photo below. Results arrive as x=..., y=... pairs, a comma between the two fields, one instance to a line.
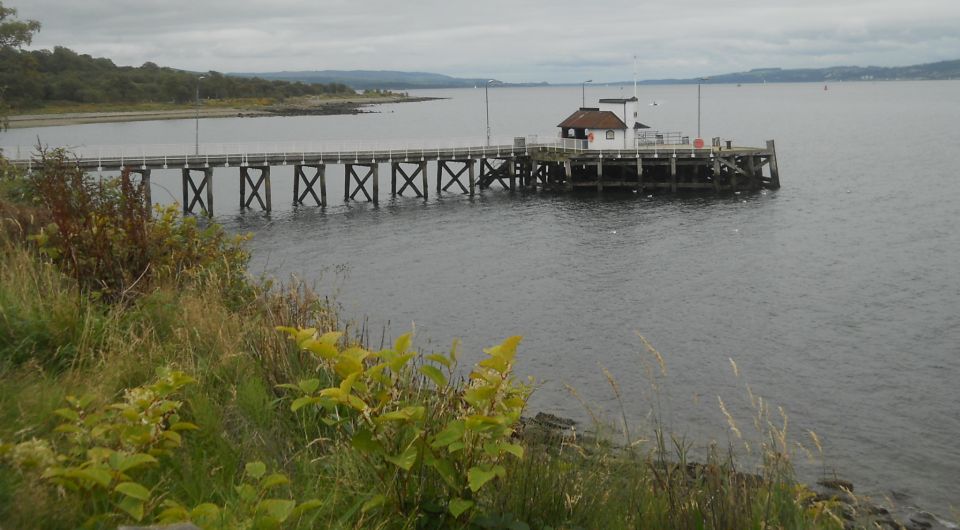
x=590, y=137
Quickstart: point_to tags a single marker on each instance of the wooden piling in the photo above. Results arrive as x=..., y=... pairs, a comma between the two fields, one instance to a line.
x=568, y=175
x=512, y=174
x=243, y=187
x=147, y=195
x=185, y=173
x=716, y=174
x=472, y=177
x=639, y=175
x=208, y=182
x=599, y=176
x=673, y=174
x=774, y=169
x=375, y=169
x=322, y=173
x=297, y=175
x=423, y=177
x=394, y=168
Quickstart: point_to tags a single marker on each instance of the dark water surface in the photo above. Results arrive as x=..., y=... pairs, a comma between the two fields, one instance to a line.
x=838, y=296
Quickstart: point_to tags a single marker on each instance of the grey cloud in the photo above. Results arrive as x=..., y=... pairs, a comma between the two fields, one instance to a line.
x=555, y=40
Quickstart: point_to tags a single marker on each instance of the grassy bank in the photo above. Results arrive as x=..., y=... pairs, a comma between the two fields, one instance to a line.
x=145, y=378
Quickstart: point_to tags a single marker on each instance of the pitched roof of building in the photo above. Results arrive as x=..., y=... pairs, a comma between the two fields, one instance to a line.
x=593, y=119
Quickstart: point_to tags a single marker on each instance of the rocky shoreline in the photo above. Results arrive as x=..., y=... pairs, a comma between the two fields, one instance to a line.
x=855, y=511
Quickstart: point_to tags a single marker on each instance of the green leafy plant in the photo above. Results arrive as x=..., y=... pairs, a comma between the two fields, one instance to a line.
x=429, y=441
x=258, y=507
x=102, y=451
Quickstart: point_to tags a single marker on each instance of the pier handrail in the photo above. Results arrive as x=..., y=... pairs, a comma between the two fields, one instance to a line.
x=246, y=149
x=339, y=151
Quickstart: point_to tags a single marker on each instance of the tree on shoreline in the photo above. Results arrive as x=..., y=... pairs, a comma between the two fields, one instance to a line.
x=14, y=34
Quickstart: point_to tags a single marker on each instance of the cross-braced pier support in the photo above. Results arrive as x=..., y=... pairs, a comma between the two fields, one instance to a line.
x=447, y=167
x=409, y=179
x=262, y=182
x=546, y=174
x=193, y=194
x=350, y=174
x=505, y=173
x=300, y=178
x=144, y=184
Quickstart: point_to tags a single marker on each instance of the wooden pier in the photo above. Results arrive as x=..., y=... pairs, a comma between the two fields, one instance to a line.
x=557, y=166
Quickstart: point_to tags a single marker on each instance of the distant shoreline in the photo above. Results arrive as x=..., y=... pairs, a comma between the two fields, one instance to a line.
x=310, y=106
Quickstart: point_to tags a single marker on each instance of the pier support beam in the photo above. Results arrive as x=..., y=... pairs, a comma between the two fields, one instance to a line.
x=639, y=175
x=472, y=177
x=600, y=176
x=193, y=195
x=568, y=175
x=511, y=173
x=490, y=174
x=774, y=169
x=409, y=179
x=673, y=174
x=350, y=174
x=263, y=181
x=424, y=178
x=716, y=174
x=300, y=177
x=144, y=185
x=734, y=173
x=445, y=167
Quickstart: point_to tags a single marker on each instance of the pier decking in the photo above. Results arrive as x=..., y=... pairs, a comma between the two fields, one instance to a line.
x=524, y=164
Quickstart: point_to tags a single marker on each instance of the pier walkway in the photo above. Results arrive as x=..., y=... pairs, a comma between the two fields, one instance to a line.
x=515, y=163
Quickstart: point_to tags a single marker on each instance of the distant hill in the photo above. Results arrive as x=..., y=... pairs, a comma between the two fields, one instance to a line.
x=394, y=80
x=372, y=79
x=932, y=71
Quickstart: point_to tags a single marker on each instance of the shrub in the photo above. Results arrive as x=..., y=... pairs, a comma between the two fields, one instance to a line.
x=101, y=234
x=431, y=444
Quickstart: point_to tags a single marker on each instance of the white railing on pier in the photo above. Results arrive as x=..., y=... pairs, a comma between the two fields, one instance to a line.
x=291, y=150
x=332, y=150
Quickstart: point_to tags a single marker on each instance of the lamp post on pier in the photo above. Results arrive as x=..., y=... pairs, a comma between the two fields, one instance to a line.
x=196, y=119
x=486, y=100
x=699, y=81
x=583, y=92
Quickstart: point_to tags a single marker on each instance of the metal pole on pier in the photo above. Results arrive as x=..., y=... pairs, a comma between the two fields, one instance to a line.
x=701, y=80
x=196, y=119
x=486, y=99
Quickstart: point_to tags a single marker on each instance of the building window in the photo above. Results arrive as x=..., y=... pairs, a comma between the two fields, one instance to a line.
x=611, y=135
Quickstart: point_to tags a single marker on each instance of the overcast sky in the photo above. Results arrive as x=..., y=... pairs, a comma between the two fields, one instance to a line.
x=516, y=41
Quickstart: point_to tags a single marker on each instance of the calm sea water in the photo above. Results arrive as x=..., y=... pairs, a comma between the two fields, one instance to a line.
x=838, y=296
